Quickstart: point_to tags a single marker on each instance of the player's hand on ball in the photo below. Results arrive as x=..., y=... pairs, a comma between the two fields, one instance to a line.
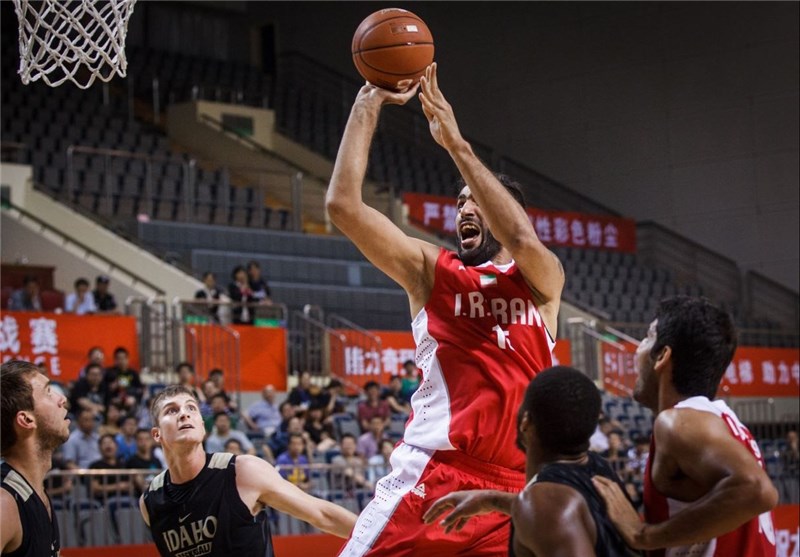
x=465, y=504
x=441, y=119
x=377, y=95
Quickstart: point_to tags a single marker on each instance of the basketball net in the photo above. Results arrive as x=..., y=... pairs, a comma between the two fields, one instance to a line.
x=75, y=40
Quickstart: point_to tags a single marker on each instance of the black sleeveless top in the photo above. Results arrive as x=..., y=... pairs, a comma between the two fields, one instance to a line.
x=579, y=477
x=39, y=530
x=205, y=516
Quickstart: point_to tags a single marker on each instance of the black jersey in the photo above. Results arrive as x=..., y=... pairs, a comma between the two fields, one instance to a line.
x=39, y=529
x=579, y=477
x=205, y=516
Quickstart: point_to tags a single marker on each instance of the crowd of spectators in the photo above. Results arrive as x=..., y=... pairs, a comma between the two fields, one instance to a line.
x=247, y=290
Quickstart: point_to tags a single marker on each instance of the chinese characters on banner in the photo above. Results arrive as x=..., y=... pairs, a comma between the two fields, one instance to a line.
x=61, y=342
x=437, y=214
x=754, y=371
x=365, y=364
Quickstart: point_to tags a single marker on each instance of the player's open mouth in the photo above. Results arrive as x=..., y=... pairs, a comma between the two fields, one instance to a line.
x=187, y=426
x=470, y=235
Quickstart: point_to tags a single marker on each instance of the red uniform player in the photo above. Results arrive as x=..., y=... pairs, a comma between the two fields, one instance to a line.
x=484, y=324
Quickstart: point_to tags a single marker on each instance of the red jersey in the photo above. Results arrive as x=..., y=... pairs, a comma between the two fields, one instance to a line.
x=480, y=340
x=755, y=538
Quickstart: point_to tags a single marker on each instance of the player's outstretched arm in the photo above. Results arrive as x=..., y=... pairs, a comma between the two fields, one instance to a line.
x=699, y=447
x=505, y=217
x=557, y=522
x=260, y=483
x=384, y=244
x=461, y=505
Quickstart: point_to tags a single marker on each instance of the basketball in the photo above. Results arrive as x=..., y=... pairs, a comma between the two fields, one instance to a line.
x=392, y=45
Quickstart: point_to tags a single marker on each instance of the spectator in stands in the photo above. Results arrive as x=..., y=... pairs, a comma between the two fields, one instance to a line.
x=637, y=458
x=349, y=468
x=96, y=355
x=301, y=395
x=287, y=413
x=82, y=447
x=598, y=442
x=103, y=299
x=91, y=392
x=258, y=285
x=333, y=399
x=234, y=447
x=215, y=442
x=392, y=394
x=212, y=293
x=26, y=298
x=279, y=441
x=379, y=464
x=369, y=442
x=126, y=438
x=106, y=487
x=124, y=385
x=263, y=415
x=143, y=459
x=372, y=406
x=219, y=405
x=319, y=429
x=81, y=301
x=616, y=455
x=110, y=423
x=58, y=486
x=209, y=389
x=293, y=463
x=218, y=377
x=240, y=293
x=188, y=378
x=411, y=379
x=790, y=457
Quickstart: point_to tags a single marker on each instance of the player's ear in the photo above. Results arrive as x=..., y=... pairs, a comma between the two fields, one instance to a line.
x=25, y=420
x=663, y=358
x=155, y=432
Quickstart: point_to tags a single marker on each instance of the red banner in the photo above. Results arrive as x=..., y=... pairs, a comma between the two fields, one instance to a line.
x=364, y=364
x=62, y=341
x=754, y=371
x=757, y=371
x=262, y=357
x=437, y=214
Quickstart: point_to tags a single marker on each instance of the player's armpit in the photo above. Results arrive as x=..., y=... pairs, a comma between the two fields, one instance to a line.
x=553, y=520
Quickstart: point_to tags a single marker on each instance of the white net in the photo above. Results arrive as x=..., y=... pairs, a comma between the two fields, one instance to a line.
x=75, y=40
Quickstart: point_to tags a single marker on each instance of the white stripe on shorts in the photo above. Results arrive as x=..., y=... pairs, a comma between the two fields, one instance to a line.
x=408, y=464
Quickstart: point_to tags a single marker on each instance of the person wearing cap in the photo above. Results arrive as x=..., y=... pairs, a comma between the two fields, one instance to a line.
x=103, y=299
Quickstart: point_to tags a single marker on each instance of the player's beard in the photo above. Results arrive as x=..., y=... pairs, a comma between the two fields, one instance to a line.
x=50, y=438
x=488, y=248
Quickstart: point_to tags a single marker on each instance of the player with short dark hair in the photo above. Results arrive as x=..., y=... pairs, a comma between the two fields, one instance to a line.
x=559, y=513
x=211, y=504
x=33, y=423
x=705, y=488
x=484, y=322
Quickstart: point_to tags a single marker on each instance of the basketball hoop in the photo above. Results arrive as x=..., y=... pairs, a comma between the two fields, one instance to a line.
x=75, y=40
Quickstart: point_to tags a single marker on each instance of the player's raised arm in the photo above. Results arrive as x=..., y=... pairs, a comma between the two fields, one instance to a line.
x=259, y=482
x=403, y=258
x=505, y=217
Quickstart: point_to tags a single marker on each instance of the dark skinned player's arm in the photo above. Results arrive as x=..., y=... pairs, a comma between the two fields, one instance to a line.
x=553, y=520
x=698, y=447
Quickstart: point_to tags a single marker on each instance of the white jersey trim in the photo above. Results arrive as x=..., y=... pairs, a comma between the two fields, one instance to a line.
x=430, y=403
x=18, y=484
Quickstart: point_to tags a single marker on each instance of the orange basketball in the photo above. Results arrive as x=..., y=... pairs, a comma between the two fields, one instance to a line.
x=391, y=45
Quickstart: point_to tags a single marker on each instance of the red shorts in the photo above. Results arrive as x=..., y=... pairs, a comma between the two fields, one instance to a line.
x=391, y=525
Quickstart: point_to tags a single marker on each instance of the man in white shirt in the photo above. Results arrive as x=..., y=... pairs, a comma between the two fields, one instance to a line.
x=264, y=415
x=81, y=301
